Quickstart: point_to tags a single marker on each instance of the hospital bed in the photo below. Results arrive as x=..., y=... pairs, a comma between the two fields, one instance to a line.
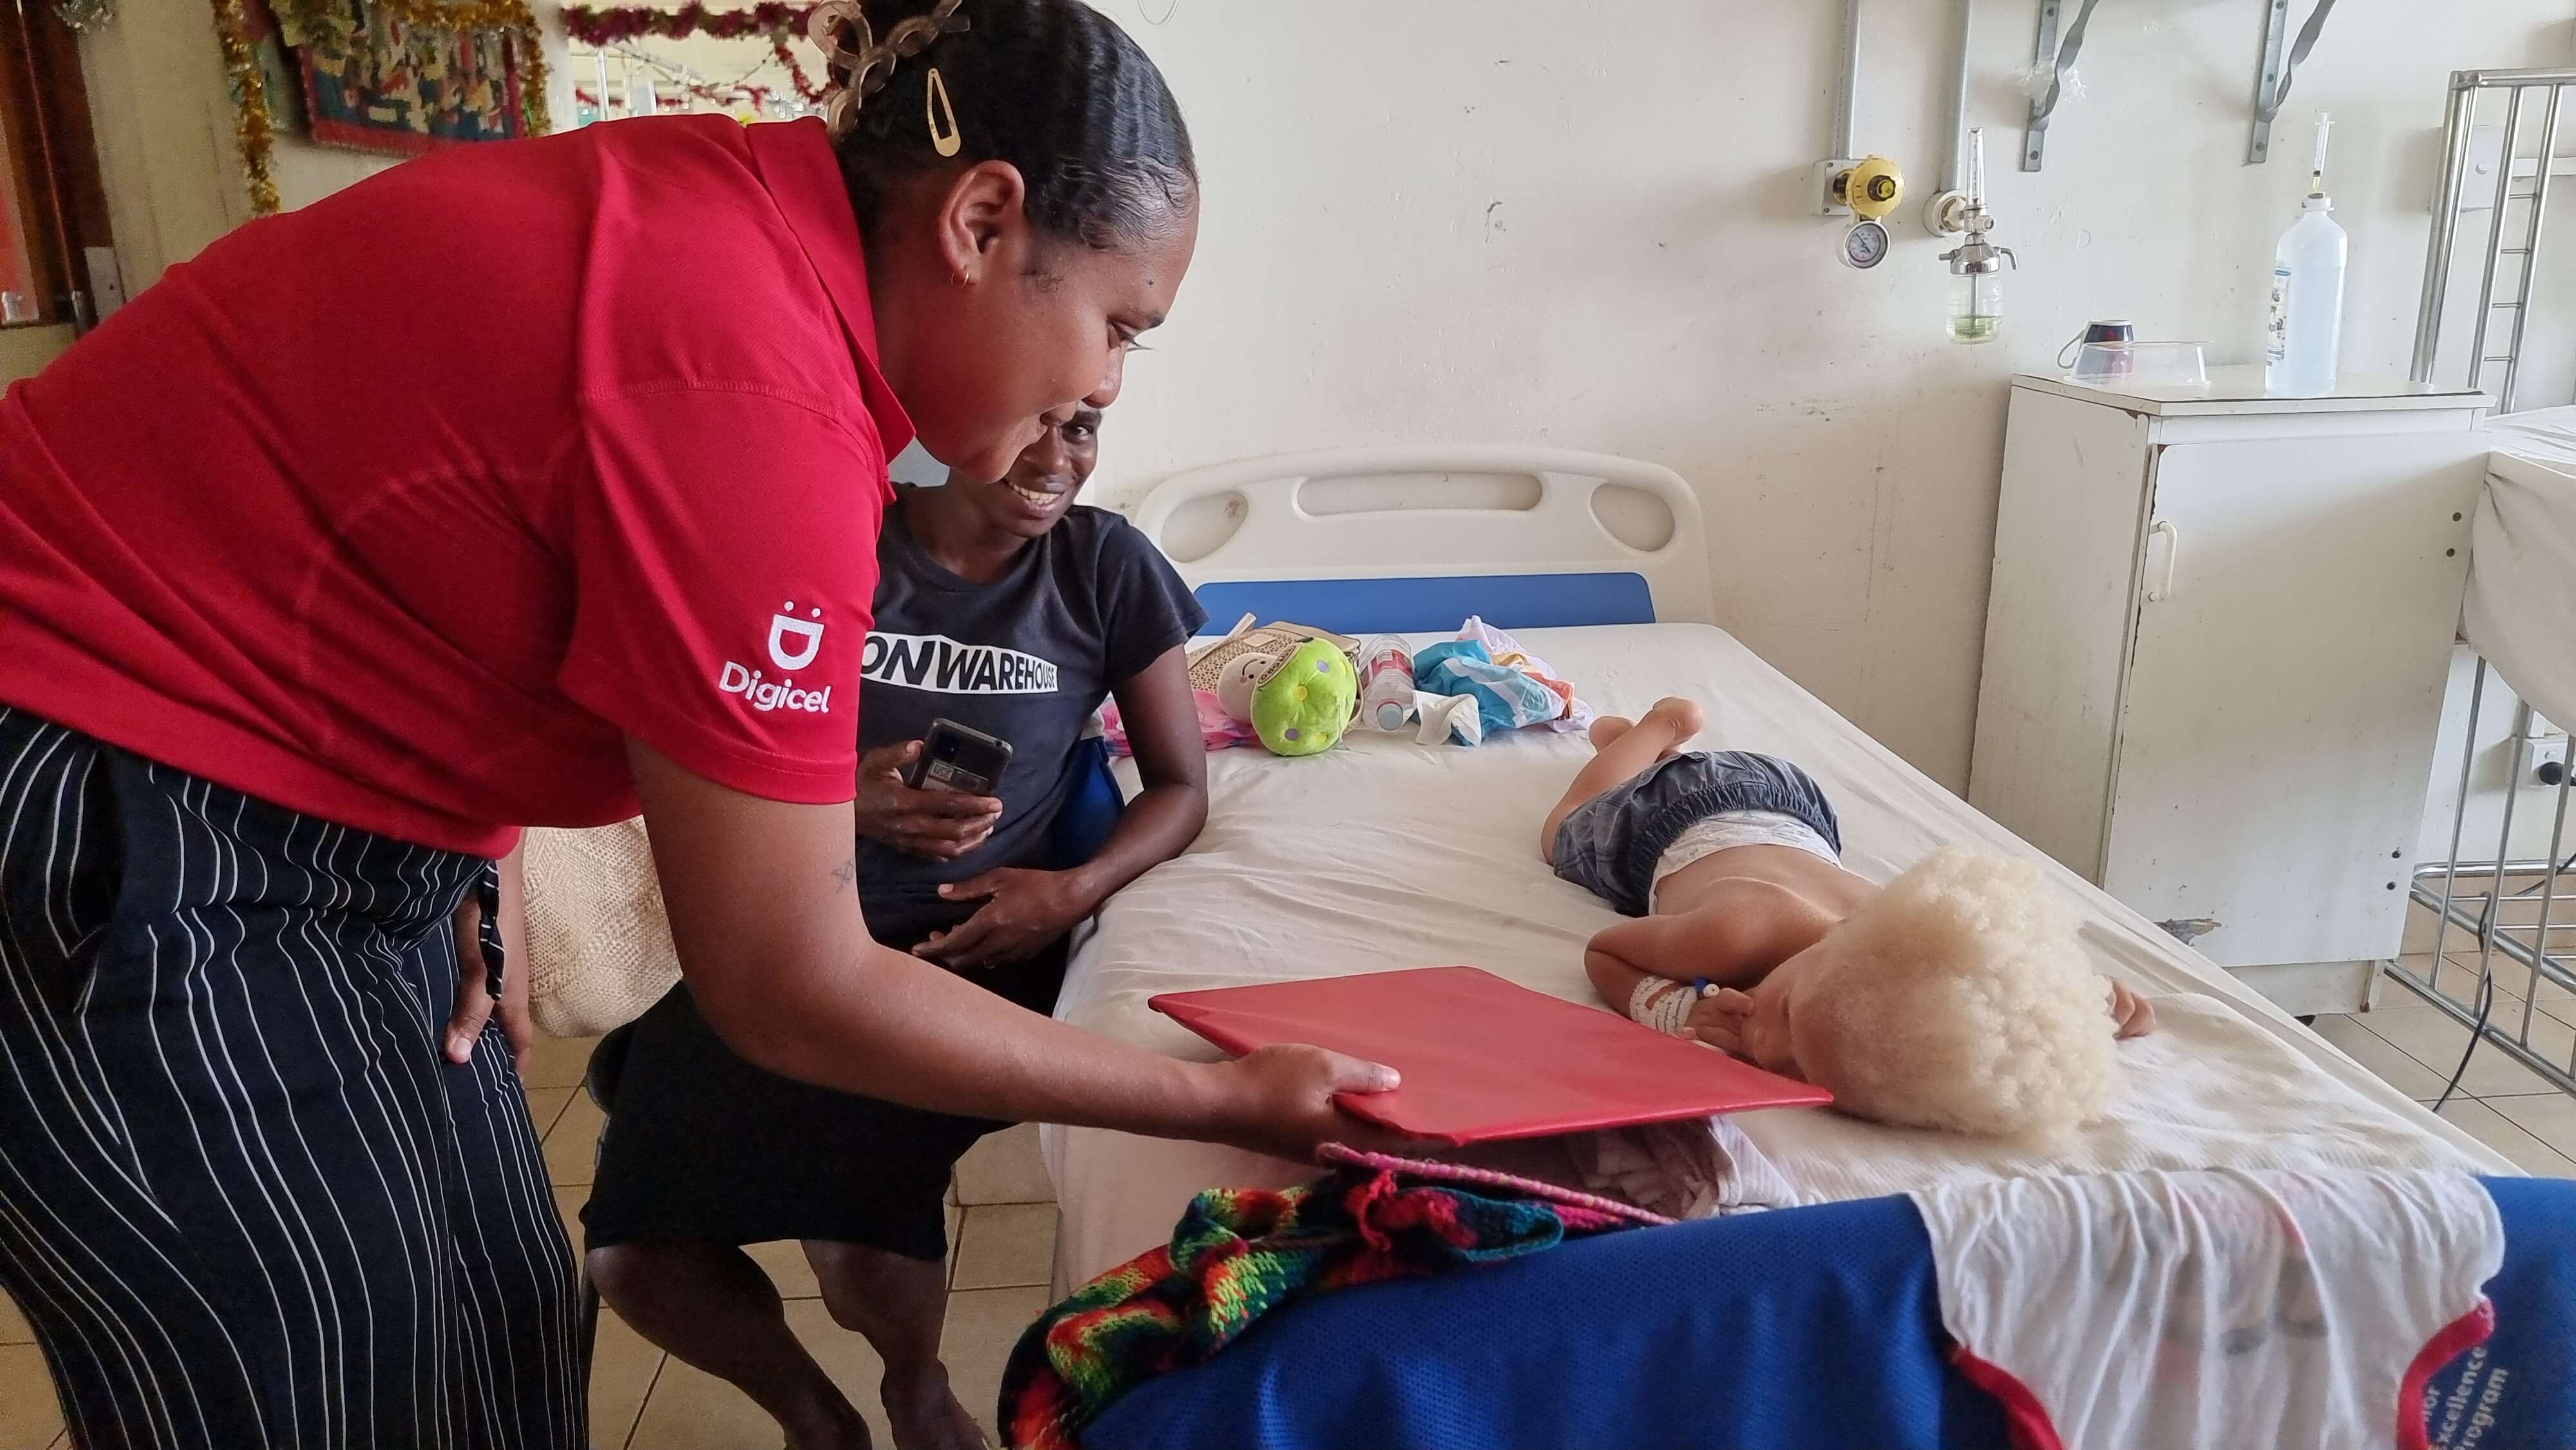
x=2509, y=905
x=2500, y=884
x=1382, y=853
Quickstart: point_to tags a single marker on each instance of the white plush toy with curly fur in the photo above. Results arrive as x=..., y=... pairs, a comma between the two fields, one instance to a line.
x=1955, y=998
x=1958, y=998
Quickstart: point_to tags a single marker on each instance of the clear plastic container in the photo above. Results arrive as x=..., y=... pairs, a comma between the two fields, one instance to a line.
x=2103, y=362
x=2153, y=364
x=1976, y=306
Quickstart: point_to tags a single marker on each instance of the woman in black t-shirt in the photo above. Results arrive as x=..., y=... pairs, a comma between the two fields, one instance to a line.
x=1006, y=608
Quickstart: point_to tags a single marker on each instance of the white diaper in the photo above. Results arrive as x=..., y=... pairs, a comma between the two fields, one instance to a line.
x=1729, y=829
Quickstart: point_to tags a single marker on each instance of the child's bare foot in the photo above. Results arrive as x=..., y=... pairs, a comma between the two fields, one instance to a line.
x=1607, y=730
x=1681, y=718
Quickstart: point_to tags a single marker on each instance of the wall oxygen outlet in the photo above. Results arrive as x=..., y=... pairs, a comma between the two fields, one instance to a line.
x=1868, y=188
x=1828, y=184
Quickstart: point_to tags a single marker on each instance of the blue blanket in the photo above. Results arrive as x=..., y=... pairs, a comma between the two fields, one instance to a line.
x=2519, y=1388
x=1804, y=1329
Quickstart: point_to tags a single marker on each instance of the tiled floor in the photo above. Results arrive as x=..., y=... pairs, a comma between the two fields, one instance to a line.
x=1004, y=1255
x=1002, y=1259
x=641, y=1398
x=2416, y=1047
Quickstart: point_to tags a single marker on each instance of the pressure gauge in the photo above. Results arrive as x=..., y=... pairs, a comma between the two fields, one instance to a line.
x=1865, y=245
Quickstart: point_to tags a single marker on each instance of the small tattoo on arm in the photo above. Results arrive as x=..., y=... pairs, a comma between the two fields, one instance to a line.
x=847, y=873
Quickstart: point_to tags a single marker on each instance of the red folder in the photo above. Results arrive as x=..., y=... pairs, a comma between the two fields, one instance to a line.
x=1485, y=1059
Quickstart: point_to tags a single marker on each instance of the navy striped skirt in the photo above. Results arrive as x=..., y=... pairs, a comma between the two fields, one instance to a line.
x=245, y=1200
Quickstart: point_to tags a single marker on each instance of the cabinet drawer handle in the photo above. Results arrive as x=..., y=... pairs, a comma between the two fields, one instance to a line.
x=2173, y=553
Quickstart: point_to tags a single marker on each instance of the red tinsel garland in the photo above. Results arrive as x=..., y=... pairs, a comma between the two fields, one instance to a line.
x=812, y=93
x=616, y=24
x=721, y=95
x=606, y=25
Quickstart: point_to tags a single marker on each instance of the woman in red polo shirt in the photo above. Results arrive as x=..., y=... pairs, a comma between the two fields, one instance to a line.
x=529, y=483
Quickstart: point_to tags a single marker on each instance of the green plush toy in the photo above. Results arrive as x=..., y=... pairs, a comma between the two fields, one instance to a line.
x=1303, y=709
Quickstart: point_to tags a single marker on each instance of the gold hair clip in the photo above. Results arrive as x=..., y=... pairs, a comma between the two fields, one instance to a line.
x=934, y=101
x=869, y=65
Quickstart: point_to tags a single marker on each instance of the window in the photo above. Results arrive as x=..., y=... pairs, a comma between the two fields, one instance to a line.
x=53, y=209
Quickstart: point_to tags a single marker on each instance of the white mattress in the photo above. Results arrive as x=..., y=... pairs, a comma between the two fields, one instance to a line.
x=2521, y=606
x=2544, y=435
x=1383, y=854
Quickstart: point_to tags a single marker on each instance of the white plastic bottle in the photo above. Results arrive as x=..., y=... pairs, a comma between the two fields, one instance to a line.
x=2305, y=334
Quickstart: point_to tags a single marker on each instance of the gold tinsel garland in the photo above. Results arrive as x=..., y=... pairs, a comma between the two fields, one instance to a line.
x=254, y=129
x=251, y=128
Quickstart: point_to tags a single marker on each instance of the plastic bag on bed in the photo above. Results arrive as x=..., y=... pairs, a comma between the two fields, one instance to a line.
x=1219, y=730
x=1513, y=688
x=1505, y=698
x=1509, y=651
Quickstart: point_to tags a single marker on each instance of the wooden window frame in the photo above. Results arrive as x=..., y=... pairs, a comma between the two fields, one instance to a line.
x=59, y=199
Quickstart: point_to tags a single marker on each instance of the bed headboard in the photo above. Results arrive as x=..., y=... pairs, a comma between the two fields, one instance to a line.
x=1412, y=540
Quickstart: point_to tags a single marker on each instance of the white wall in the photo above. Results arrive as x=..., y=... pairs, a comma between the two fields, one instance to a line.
x=165, y=134
x=2535, y=805
x=1513, y=220
x=168, y=152
x=24, y=351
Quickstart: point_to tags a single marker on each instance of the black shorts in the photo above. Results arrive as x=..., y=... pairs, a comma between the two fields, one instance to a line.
x=1609, y=845
x=704, y=1145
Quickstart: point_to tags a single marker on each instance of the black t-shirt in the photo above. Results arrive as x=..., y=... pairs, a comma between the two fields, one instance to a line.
x=1028, y=658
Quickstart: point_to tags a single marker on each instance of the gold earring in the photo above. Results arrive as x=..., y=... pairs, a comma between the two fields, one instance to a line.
x=934, y=101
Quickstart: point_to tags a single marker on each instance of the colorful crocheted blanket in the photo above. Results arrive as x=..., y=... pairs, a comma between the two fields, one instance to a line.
x=1240, y=1253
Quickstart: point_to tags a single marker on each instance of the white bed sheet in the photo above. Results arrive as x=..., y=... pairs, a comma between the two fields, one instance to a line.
x=2545, y=435
x=1383, y=854
x=2521, y=607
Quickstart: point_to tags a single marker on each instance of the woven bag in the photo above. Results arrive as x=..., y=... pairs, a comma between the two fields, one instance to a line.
x=1208, y=664
x=599, y=947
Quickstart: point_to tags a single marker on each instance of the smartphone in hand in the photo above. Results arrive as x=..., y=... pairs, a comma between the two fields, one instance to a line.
x=959, y=758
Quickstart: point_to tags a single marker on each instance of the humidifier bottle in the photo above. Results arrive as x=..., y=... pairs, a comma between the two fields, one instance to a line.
x=2305, y=330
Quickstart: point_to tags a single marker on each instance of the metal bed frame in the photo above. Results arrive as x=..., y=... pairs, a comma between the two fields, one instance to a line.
x=2519, y=914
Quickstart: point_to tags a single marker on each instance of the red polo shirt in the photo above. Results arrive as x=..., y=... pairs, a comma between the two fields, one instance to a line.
x=404, y=509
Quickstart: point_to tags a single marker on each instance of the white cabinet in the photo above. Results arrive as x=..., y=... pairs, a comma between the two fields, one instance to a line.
x=2215, y=653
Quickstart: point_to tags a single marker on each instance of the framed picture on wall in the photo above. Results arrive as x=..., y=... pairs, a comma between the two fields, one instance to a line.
x=376, y=79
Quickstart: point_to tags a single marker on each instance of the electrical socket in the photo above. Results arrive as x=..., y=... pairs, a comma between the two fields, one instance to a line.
x=2516, y=764
x=2539, y=755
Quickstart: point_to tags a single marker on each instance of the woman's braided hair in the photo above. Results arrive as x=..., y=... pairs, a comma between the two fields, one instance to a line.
x=1053, y=87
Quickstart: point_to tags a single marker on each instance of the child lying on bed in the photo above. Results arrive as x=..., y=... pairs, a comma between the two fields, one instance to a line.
x=1955, y=998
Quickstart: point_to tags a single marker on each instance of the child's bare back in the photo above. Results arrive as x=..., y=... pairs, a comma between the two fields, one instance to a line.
x=1728, y=866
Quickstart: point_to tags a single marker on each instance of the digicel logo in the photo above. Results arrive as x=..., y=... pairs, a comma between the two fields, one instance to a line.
x=733, y=679
x=808, y=638
x=793, y=644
